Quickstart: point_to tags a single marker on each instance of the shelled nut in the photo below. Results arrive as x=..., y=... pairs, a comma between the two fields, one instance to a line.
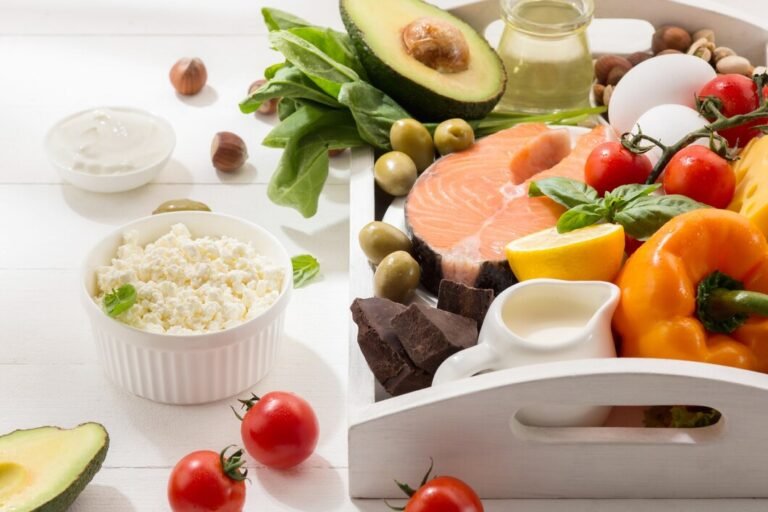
x=228, y=152
x=705, y=33
x=702, y=48
x=607, y=63
x=671, y=38
x=607, y=93
x=597, y=91
x=722, y=52
x=734, y=64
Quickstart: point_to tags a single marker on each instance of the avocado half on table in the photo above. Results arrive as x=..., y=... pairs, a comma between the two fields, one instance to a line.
x=431, y=62
x=44, y=469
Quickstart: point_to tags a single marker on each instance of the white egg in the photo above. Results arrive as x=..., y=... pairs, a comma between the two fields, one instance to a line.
x=668, y=124
x=661, y=80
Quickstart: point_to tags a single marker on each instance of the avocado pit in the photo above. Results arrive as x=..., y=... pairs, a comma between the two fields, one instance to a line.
x=436, y=44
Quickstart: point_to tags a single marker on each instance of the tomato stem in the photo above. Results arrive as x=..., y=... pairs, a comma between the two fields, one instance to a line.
x=708, y=106
x=232, y=466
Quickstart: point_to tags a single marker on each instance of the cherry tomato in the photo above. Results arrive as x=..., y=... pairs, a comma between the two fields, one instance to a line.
x=206, y=481
x=444, y=494
x=611, y=165
x=738, y=95
x=701, y=174
x=279, y=430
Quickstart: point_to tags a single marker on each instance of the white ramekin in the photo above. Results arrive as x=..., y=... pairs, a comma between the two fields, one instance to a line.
x=187, y=369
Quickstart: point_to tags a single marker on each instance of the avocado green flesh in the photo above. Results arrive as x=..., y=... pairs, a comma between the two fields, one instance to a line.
x=425, y=92
x=45, y=469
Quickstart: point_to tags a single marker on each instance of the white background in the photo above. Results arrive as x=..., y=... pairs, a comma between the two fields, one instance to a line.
x=59, y=57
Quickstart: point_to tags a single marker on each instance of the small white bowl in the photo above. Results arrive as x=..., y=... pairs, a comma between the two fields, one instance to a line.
x=187, y=369
x=119, y=182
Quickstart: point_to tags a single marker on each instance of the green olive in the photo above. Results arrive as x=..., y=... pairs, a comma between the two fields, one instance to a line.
x=395, y=173
x=453, y=135
x=180, y=205
x=413, y=139
x=379, y=239
x=397, y=276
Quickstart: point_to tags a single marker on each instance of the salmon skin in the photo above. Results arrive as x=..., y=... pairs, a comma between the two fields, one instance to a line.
x=468, y=206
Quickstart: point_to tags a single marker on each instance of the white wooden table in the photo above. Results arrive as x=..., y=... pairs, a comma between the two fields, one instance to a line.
x=60, y=57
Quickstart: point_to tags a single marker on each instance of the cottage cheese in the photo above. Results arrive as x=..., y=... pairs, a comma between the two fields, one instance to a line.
x=188, y=285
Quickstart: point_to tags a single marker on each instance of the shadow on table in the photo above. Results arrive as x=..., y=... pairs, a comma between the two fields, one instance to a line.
x=316, y=243
x=205, y=98
x=102, y=497
x=298, y=487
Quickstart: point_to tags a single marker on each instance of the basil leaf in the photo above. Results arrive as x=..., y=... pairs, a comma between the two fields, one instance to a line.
x=275, y=19
x=120, y=300
x=303, y=168
x=272, y=70
x=565, y=191
x=374, y=112
x=313, y=62
x=644, y=216
x=581, y=216
x=628, y=193
x=288, y=82
x=305, y=267
x=337, y=45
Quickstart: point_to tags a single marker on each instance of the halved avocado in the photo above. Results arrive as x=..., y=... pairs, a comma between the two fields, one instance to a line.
x=427, y=92
x=44, y=469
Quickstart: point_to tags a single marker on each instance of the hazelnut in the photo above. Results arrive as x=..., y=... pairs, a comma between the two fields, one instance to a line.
x=735, y=64
x=638, y=57
x=615, y=75
x=228, y=152
x=671, y=38
x=268, y=107
x=188, y=76
x=597, y=91
x=722, y=52
x=704, y=33
x=605, y=64
x=607, y=93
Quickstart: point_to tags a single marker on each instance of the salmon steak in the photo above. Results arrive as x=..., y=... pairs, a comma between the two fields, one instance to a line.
x=466, y=207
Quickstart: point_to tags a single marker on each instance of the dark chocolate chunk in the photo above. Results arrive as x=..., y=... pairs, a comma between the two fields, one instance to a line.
x=431, y=335
x=464, y=300
x=382, y=349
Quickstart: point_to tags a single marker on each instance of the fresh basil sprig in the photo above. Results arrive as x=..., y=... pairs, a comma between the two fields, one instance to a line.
x=120, y=300
x=635, y=207
x=305, y=268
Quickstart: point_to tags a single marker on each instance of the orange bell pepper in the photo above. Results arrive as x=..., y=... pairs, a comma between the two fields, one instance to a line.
x=674, y=296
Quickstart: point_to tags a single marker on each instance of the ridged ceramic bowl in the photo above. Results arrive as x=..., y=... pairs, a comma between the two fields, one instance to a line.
x=187, y=369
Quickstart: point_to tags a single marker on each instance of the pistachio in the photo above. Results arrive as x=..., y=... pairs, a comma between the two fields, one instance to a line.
x=671, y=38
x=597, y=91
x=734, y=64
x=607, y=93
x=605, y=64
x=705, y=33
x=703, y=53
x=638, y=57
x=702, y=48
x=722, y=52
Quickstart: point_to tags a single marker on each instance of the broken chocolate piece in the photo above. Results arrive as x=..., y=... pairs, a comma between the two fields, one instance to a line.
x=464, y=300
x=382, y=349
x=431, y=335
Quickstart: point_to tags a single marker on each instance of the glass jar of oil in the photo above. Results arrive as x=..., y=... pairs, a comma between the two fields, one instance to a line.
x=546, y=54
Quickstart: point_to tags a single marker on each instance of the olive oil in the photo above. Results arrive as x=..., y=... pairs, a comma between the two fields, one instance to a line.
x=546, y=54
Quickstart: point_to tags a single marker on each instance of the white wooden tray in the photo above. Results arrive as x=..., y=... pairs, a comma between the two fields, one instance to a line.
x=468, y=427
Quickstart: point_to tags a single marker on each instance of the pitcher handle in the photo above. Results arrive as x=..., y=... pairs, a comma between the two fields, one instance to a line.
x=466, y=363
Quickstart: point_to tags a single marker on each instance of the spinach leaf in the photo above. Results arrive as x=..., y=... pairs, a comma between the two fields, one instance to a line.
x=275, y=19
x=313, y=62
x=303, y=168
x=374, y=112
x=305, y=268
x=286, y=107
x=272, y=70
x=644, y=216
x=581, y=216
x=565, y=191
x=120, y=300
x=288, y=82
x=312, y=114
x=337, y=45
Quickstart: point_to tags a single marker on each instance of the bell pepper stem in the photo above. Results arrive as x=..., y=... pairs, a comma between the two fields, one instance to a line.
x=734, y=302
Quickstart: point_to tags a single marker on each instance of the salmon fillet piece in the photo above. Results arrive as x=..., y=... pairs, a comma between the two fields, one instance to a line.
x=468, y=206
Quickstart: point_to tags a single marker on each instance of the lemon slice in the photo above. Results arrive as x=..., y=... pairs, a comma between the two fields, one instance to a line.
x=594, y=253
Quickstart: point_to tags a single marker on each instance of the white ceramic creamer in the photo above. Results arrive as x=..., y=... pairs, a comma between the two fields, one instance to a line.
x=538, y=321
